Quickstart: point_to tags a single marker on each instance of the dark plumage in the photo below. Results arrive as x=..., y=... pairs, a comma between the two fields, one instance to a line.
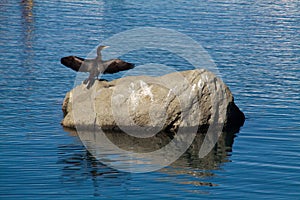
x=95, y=66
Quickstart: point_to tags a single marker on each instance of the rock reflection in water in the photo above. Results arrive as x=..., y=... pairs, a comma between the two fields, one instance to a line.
x=79, y=166
x=189, y=166
x=141, y=146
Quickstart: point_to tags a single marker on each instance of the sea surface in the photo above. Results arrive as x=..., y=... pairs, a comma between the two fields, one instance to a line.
x=255, y=46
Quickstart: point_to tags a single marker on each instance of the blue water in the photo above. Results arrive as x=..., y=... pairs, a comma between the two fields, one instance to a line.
x=255, y=44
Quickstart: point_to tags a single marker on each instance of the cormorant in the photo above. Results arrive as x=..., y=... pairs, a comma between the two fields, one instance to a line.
x=95, y=66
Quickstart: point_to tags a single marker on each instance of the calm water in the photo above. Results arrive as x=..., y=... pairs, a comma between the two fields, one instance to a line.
x=255, y=44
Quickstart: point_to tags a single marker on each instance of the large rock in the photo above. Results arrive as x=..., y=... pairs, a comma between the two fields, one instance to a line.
x=195, y=98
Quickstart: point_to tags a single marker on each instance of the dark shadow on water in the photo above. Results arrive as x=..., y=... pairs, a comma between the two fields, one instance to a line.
x=80, y=164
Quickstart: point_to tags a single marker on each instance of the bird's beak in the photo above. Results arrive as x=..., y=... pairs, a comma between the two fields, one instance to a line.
x=105, y=47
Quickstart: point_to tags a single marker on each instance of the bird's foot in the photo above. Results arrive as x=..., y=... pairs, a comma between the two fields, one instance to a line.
x=90, y=84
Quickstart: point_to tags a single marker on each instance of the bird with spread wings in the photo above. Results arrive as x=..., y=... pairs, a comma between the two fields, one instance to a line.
x=95, y=66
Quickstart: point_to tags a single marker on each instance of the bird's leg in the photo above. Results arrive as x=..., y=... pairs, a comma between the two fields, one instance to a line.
x=91, y=83
x=89, y=79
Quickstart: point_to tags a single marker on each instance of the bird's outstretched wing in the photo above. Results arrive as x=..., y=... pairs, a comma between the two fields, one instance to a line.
x=116, y=65
x=75, y=63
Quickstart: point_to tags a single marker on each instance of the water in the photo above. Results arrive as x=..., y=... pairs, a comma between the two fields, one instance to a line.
x=255, y=45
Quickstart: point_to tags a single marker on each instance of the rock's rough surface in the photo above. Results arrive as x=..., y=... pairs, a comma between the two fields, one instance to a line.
x=195, y=98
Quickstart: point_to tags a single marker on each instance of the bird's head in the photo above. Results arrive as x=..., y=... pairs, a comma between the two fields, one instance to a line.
x=100, y=48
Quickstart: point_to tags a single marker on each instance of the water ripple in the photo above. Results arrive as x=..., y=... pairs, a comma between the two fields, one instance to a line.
x=254, y=44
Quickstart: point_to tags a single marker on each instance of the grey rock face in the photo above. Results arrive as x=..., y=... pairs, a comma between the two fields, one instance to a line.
x=194, y=98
